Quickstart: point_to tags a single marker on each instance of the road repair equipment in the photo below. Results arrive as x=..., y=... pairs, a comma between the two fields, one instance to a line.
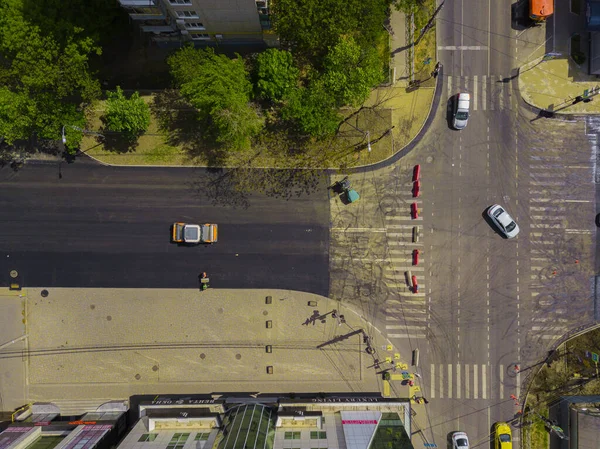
x=343, y=187
x=416, y=173
x=415, y=285
x=187, y=233
x=414, y=211
x=416, y=191
x=415, y=257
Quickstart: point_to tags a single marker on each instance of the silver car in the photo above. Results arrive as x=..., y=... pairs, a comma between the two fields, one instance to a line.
x=461, y=113
x=460, y=440
x=503, y=221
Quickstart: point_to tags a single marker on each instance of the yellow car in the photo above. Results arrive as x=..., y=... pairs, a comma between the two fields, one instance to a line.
x=502, y=436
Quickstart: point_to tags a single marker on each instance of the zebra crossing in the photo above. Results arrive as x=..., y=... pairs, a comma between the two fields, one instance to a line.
x=488, y=92
x=406, y=310
x=469, y=381
x=560, y=184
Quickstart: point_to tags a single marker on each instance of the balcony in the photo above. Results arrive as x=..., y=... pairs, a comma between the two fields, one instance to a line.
x=158, y=29
x=137, y=3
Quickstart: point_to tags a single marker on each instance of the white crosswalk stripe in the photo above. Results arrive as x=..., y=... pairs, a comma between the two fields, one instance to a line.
x=467, y=381
x=406, y=311
x=549, y=181
x=487, y=92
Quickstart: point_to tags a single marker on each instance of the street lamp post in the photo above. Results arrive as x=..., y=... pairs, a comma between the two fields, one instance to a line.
x=84, y=131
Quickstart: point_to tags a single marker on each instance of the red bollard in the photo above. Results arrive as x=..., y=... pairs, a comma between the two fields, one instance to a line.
x=416, y=189
x=414, y=211
x=416, y=173
x=416, y=256
x=415, y=285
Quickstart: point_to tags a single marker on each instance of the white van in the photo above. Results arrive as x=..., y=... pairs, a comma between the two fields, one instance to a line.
x=461, y=113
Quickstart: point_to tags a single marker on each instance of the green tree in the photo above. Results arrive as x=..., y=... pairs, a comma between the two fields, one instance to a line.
x=50, y=80
x=64, y=19
x=313, y=110
x=276, y=74
x=312, y=26
x=130, y=116
x=407, y=6
x=351, y=72
x=15, y=119
x=218, y=87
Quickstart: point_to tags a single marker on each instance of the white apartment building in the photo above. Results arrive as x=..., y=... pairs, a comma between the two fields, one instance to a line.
x=175, y=22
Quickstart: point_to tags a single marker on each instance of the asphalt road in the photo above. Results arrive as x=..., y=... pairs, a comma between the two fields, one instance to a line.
x=84, y=225
x=494, y=303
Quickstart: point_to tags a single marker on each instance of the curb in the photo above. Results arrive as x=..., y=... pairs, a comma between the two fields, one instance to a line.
x=543, y=112
x=359, y=169
x=563, y=340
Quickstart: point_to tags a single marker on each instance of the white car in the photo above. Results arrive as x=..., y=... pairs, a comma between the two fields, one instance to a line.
x=460, y=440
x=503, y=221
x=461, y=113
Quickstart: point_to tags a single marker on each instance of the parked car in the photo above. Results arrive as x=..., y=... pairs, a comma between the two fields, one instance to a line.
x=502, y=436
x=460, y=440
x=461, y=112
x=503, y=221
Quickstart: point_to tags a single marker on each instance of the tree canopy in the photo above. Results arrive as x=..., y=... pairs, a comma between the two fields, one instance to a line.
x=312, y=109
x=130, y=116
x=276, y=74
x=311, y=27
x=351, y=72
x=47, y=79
x=219, y=88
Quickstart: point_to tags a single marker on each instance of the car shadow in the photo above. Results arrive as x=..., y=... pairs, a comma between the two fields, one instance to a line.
x=490, y=223
x=450, y=108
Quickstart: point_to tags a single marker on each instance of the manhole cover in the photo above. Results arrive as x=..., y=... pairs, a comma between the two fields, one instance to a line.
x=265, y=313
x=44, y=293
x=109, y=318
x=238, y=356
x=14, y=273
x=155, y=368
x=202, y=356
x=138, y=377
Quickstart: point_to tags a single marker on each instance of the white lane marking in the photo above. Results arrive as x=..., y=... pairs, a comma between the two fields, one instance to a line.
x=400, y=327
x=449, y=380
x=548, y=217
x=475, y=382
x=483, y=90
x=414, y=336
x=467, y=381
x=358, y=229
x=458, y=381
x=484, y=381
x=501, y=373
x=441, y=381
x=475, y=92
x=502, y=89
x=462, y=47
x=432, y=385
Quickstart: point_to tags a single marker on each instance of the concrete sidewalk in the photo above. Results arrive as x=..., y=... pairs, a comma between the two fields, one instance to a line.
x=86, y=345
x=549, y=79
x=554, y=84
x=399, y=63
x=111, y=343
